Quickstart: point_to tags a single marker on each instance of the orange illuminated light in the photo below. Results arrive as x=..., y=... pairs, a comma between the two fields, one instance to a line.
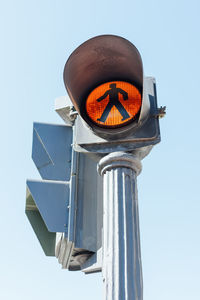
x=114, y=103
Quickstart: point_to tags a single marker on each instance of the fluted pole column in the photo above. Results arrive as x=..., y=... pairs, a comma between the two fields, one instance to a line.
x=121, y=269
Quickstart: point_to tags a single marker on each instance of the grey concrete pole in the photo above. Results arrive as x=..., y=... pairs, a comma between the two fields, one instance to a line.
x=121, y=269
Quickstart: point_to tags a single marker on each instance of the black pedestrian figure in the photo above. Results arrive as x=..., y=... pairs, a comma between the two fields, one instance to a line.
x=114, y=101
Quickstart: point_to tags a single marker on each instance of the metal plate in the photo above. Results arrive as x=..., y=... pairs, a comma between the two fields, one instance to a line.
x=51, y=150
x=52, y=200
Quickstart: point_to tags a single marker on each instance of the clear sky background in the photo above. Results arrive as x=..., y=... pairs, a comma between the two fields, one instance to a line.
x=36, y=39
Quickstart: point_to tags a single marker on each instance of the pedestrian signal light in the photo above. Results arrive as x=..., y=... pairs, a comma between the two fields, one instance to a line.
x=113, y=104
x=104, y=79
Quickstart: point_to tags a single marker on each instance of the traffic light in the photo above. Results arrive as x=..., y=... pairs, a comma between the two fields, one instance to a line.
x=113, y=108
x=63, y=209
x=105, y=64
x=47, y=199
x=105, y=81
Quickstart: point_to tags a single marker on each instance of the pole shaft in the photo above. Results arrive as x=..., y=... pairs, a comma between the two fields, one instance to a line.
x=122, y=271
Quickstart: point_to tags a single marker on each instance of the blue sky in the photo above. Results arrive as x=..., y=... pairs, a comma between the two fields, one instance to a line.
x=36, y=39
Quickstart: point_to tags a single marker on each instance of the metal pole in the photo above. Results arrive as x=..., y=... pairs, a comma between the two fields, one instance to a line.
x=121, y=269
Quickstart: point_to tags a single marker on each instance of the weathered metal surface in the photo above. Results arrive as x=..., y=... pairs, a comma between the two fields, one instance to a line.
x=63, y=250
x=122, y=270
x=94, y=263
x=65, y=109
x=101, y=59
